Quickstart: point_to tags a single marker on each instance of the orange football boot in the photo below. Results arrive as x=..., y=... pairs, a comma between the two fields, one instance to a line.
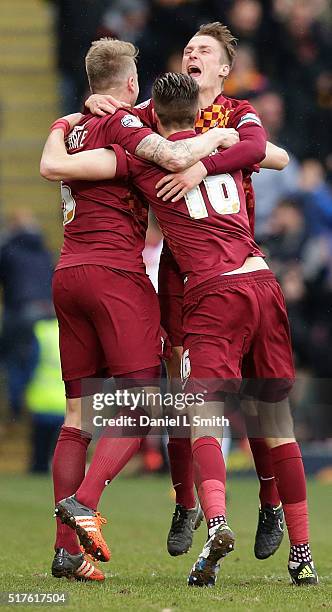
x=87, y=524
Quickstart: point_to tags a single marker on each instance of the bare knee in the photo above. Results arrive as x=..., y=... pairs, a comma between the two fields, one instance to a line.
x=249, y=407
x=276, y=422
x=73, y=413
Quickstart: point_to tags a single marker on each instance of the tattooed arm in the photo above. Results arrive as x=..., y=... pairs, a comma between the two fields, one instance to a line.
x=179, y=155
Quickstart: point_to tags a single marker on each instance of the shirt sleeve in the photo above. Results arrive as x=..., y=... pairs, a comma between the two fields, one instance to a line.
x=122, y=169
x=245, y=154
x=251, y=149
x=244, y=114
x=126, y=130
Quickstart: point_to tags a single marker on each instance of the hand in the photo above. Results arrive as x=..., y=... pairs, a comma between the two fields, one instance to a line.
x=100, y=104
x=229, y=137
x=176, y=186
x=73, y=119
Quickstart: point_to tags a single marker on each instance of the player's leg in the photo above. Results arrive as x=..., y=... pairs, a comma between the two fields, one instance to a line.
x=68, y=470
x=275, y=378
x=117, y=445
x=127, y=321
x=270, y=528
x=210, y=482
x=187, y=514
x=69, y=460
x=214, y=347
x=291, y=482
x=179, y=448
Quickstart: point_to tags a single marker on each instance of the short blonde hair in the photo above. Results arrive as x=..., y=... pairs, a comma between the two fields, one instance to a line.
x=108, y=62
x=223, y=35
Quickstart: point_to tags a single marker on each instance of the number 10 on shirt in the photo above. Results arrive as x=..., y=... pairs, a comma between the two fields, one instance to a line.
x=222, y=194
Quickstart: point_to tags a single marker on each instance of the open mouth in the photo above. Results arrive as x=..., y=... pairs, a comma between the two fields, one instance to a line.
x=194, y=71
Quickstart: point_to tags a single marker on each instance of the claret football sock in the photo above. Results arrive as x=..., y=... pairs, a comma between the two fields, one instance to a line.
x=268, y=492
x=68, y=469
x=290, y=478
x=110, y=456
x=209, y=476
x=181, y=466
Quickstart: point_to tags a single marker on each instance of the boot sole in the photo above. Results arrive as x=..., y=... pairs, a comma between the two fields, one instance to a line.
x=88, y=544
x=261, y=557
x=222, y=545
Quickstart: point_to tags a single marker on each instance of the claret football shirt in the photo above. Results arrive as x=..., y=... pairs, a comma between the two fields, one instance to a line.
x=225, y=112
x=208, y=230
x=104, y=222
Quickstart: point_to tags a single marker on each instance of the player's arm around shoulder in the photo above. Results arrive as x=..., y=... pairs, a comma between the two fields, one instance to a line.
x=246, y=117
x=181, y=154
x=276, y=158
x=56, y=163
x=176, y=186
x=126, y=129
x=95, y=165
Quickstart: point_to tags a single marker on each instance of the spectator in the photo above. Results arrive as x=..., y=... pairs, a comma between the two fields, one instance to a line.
x=245, y=79
x=286, y=249
x=302, y=262
x=25, y=276
x=250, y=21
x=125, y=19
x=302, y=55
x=271, y=186
x=317, y=197
x=76, y=26
x=245, y=18
x=45, y=395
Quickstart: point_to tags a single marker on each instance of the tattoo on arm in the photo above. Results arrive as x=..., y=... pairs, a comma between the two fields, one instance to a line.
x=170, y=155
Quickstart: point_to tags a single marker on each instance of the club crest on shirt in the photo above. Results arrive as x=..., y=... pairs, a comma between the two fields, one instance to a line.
x=131, y=121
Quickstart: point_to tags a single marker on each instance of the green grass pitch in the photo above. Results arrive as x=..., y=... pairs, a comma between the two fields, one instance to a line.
x=141, y=576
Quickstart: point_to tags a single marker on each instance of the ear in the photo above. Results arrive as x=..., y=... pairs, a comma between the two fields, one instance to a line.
x=224, y=70
x=131, y=84
x=155, y=117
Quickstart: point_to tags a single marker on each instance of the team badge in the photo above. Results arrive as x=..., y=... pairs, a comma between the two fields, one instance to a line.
x=130, y=121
